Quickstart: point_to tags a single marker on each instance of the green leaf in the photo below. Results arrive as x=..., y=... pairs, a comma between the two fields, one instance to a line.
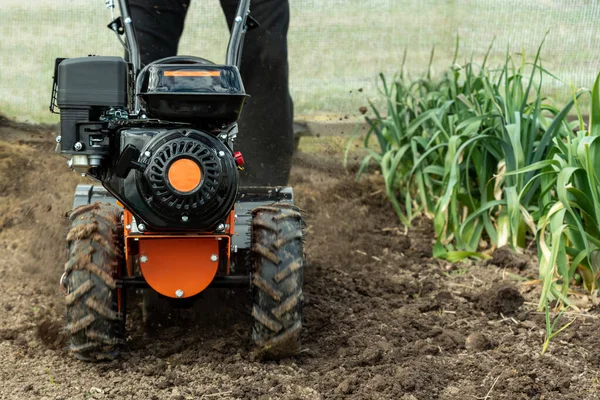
x=595, y=109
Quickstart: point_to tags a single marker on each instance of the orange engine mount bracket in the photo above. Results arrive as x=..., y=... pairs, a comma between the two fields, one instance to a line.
x=179, y=267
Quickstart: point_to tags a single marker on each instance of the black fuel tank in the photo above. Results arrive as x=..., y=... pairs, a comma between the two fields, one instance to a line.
x=209, y=95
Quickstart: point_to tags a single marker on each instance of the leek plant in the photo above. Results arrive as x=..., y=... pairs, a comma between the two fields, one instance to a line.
x=409, y=154
x=448, y=148
x=494, y=163
x=569, y=229
x=512, y=127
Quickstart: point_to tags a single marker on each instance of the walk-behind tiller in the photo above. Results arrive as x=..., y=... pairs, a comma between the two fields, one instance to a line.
x=170, y=214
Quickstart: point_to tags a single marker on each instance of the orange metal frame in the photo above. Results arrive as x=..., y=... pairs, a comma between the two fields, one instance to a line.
x=177, y=261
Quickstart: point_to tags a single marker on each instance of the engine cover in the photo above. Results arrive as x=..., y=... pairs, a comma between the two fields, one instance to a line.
x=189, y=180
x=190, y=175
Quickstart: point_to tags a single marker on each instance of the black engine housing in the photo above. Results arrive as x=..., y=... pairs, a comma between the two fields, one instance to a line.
x=146, y=190
x=126, y=131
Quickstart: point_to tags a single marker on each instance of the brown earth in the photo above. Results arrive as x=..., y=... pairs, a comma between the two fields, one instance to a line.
x=383, y=319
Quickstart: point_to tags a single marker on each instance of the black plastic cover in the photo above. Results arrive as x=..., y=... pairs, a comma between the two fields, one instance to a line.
x=194, y=92
x=92, y=81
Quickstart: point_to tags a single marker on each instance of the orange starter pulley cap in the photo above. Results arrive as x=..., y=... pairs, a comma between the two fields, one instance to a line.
x=184, y=175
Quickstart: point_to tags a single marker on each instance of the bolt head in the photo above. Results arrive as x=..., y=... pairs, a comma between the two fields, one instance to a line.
x=143, y=258
x=141, y=227
x=147, y=153
x=78, y=146
x=214, y=258
x=128, y=227
x=184, y=218
x=179, y=293
x=221, y=227
x=234, y=248
x=221, y=153
x=238, y=19
x=127, y=20
x=58, y=139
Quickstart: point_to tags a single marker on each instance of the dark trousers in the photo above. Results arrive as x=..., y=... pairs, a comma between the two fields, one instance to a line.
x=265, y=137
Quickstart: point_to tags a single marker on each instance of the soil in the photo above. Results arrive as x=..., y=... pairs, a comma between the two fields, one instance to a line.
x=383, y=319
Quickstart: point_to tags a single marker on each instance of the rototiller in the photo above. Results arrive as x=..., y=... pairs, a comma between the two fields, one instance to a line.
x=167, y=212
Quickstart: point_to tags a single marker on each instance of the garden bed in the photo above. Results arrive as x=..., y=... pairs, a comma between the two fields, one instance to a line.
x=384, y=319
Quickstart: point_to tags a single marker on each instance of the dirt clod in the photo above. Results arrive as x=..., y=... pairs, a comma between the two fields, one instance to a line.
x=408, y=397
x=371, y=355
x=504, y=257
x=502, y=299
x=477, y=342
x=345, y=387
x=49, y=333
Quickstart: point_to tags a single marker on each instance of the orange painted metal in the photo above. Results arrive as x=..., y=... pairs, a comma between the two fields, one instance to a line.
x=177, y=257
x=127, y=219
x=192, y=73
x=231, y=222
x=230, y=229
x=120, y=300
x=173, y=264
x=184, y=175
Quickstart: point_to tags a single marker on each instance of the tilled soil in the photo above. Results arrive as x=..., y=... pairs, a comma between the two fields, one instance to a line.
x=383, y=319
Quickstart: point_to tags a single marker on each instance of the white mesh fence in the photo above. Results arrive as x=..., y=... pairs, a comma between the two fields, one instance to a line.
x=336, y=46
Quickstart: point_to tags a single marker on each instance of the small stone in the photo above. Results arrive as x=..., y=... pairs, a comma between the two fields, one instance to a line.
x=176, y=395
x=451, y=391
x=344, y=387
x=477, y=342
x=528, y=324
x=385, y=346
x=28, y=387
x=444, y=297
x=429, y=349
x=162, y=385
x=371, y=355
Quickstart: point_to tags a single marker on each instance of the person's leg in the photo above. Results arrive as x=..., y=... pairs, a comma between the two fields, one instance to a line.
x=266, y=137
x=158, y=25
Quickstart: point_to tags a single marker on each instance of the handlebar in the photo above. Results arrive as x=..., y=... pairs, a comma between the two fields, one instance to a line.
x=238, y=31
x=234, y=47
x=132, y=44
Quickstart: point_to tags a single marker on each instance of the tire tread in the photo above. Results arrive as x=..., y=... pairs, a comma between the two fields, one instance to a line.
x=94, y=255
x=278, y=275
